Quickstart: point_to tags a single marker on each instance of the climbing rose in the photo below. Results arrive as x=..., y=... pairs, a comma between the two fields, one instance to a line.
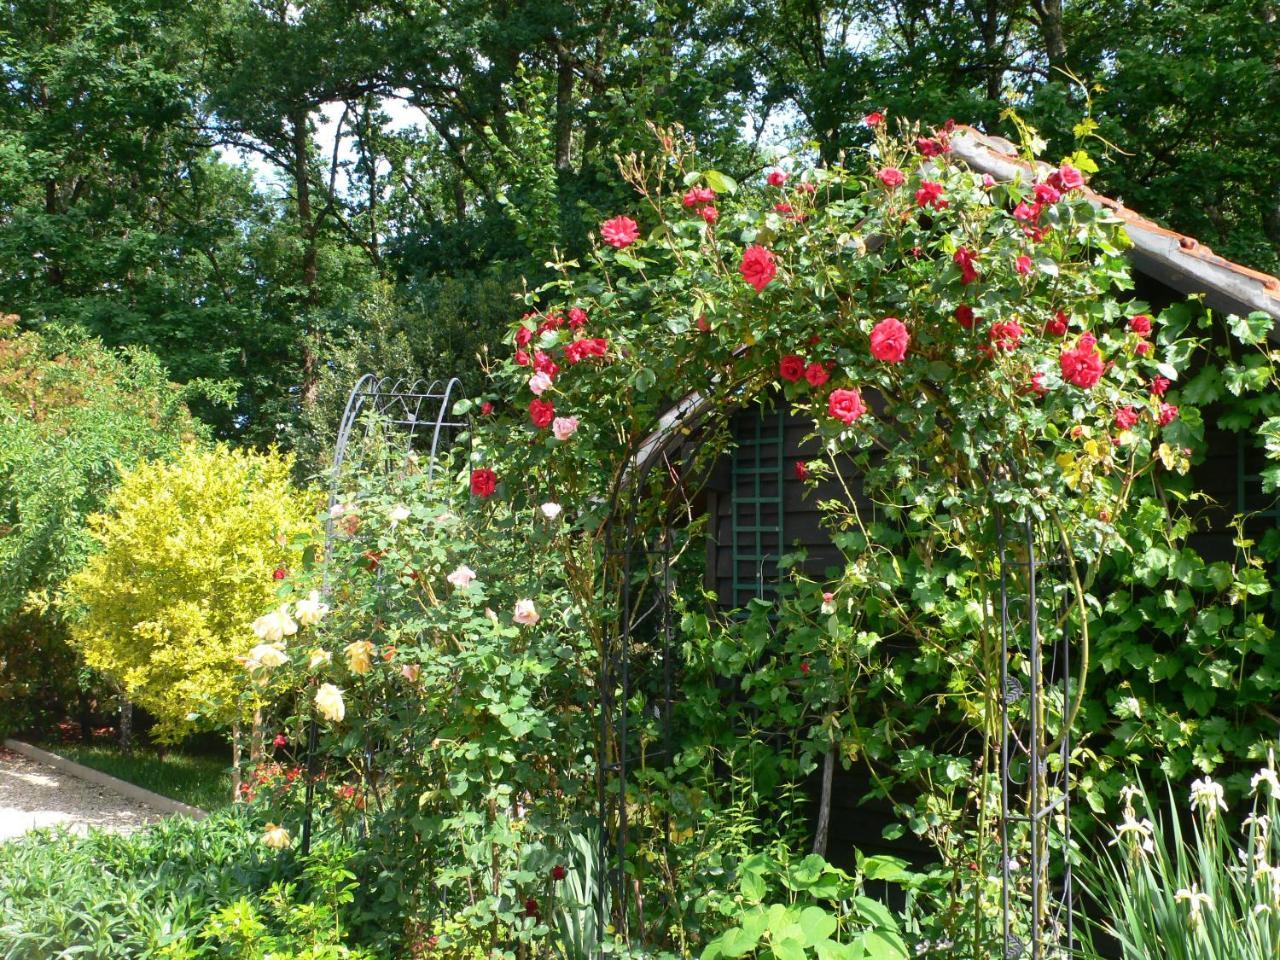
x=1036, y=385
x=816, y=374
x=558, y=872
x=577, y=318
x=526, y=613
x=483, y=482
x=698, y=195
x=1067, y=178
x=265, y=656
x=1057, y=326
x=1142, y=348
x=279, y=573
x=1027, y=212
x=1126, y=418
x=1168, y=413
x=273, y=627
x=360, y=656
x=1140, y=324
x=758, y=267
x=1082, y=365
x=523, y=336
x=930, y=195
x=1159, y=385
x=965, y=259
x=782, y=208
x=620, y=232
x=802, y=470
x=461, y=577
x=329, y=703
x=522, y=358
x=541, y=412
x=1023, y=265
x=791, y=368
x=539, y=383
x=580, y=350
x=873, y=119
x=777, y=178
x=709, y=213
x=310, y=610
x=889, y=340
x=964, y=316
x=1005, y=335
x=543, y=363
x=280, y=740
x=931, y=147
x=564, y=427
x=1047, y=193
x=551, y=510
x=846, y=405
x=892, y=177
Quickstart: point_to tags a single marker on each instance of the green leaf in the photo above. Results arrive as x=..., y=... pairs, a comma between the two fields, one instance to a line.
x=720, y=182
x=817, y=924
x=788, y=949
x=736, y=942
x=1251, y=329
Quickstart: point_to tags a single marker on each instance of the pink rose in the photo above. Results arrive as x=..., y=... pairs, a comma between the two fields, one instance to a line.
x=620, y=232
x=1126, y=418
x=564, y=427
x=1168, y=413
x=1023, y=265
x=525, y=613
x=777, y=178
x=889, y=339
x=892, y=177
x=758, y=267
x=846, y=405
x=540, y=383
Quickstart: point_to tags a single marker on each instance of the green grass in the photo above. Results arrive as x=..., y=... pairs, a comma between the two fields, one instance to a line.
x=200, y=781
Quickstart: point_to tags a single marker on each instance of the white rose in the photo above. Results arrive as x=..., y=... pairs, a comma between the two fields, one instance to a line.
x=526, y=613
x=273, y=627
x=398, y=514
x=551, y=510
x=310, y=611
x=266, y=656
x=329, y=703
x=319, y=658
x=461, y=577
x=276, y=837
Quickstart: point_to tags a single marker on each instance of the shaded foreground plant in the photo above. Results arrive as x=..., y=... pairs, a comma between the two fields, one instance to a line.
x=1161, y=892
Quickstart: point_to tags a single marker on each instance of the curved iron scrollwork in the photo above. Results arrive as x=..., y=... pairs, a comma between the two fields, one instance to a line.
x=419, y=417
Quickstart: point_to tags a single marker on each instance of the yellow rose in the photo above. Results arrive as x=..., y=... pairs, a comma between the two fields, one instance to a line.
x=329, y=703
x=319, y=658
x=266, y=656
x=310, y=611
x=360, y=656
x=276, y=837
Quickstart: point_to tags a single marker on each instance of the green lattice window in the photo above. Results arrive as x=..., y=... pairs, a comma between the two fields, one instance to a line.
x=757, y=477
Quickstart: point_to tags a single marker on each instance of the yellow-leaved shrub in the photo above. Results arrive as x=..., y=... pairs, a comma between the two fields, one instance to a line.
x=185, y=561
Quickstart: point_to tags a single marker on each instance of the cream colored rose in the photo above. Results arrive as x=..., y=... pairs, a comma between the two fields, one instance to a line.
x=329, y=703
x=398, y=514
x=360, y=656
x=266, y=656
x=319, y=658
x=273, y=627
x=551, y=510
x=461, y=577
x=310, y=611
x=526, y=613
x=276, y=837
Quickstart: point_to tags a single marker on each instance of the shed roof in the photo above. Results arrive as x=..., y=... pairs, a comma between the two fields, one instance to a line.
x=1175, y=259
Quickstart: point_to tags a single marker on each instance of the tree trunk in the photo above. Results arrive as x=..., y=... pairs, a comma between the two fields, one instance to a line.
x=255, y=742
x=86, y=717
x=564, y=111
x=307, y=230
x=126, y=725
x=235, y=763
x=1049, y=15
x=824, y=804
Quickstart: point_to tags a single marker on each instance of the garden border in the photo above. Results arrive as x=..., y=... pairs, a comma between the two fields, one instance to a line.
x=132, y=791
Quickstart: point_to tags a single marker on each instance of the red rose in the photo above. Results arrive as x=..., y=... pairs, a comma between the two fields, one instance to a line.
x=1140, y=324
x=892, y=177
x=791, y=368
x=543, y=363
x=1023, y=265
x=807, y=187
x=1036, y=385
x=1057, y=326
x=873, y=119
x=698, y=195
x=558, y=872
x=1027, y=212
x=522, y=358
x=816, y=374
x=777, y=178
x=620, y=232
x=758, y=267
x=279, y=573
x=577, y=318
x=1005, y=335
x=889, y=339
x=1125, y=418
x=280, y=741
x=802, y=470
x=782, y=208
x=531, y=908
x=486, y=408
x=804, y=666
x=1082, y=365
x=554, y=321
x=966, y=260
x=1159, y=385
x=541, y=412
x=930, y=195
x=703, y=325
x=1047, y=193
x=846, y=405
x=1168, y=413
x=1067, y=178
x=709, y=213
x=964, y=316
x=931, y=146
x=523, y=335
x=1143, y=348
x=483, y=482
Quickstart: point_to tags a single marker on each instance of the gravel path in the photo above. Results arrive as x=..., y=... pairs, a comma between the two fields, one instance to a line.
x=34, y=795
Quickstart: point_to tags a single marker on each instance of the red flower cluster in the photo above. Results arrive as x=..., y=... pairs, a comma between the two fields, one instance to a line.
x=1126, y=418
x=930, y=195
x=889, y=339
x=967, y=261
x=620, y=232
x=1005, y=335
x=1168, y=413
x=1159, y=385
x=542, y=363
x=1066, y=178
x=933, y=146
x=802, y=470
x=577, y=318
x=696, y=196
x=873, y=119
x=1023, y=265
x=1047, y=193
x=1082, y=365
x=483, y=482
x=791, y=368
x=578, y=350
x=846, y=405
x=1057, y=325
x=758, y=267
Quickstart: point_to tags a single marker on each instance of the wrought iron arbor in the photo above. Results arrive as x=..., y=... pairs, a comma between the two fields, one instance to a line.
x=392, y=419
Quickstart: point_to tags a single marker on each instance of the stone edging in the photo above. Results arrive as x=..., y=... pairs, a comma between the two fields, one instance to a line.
x=163, y=804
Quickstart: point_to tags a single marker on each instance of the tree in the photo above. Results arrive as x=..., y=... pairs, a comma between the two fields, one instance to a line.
x=187, y=559
x=72, y=413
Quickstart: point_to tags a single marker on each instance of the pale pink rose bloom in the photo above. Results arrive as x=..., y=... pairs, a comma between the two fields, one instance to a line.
x=540, y=383
x=564, y=427
x=410, y=672
x=526, y=613
x=462, y=577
